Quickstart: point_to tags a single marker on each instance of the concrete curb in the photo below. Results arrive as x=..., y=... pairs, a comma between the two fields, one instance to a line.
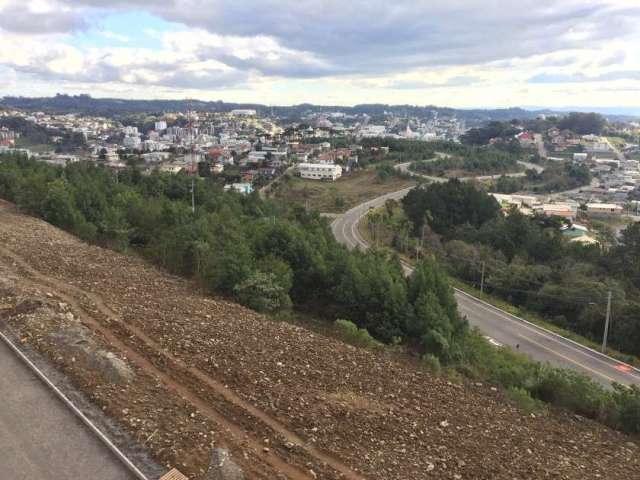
x=83, y=418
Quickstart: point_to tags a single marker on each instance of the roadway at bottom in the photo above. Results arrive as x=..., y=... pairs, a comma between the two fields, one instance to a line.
x=40, y=438
x=500, y=326
x=542, y=345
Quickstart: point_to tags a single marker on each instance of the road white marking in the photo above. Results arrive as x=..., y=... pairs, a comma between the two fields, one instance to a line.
x=492, y=341
x=558, y=339
x=540, y=331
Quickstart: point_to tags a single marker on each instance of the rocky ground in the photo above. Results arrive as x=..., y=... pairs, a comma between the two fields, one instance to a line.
x=184, y=373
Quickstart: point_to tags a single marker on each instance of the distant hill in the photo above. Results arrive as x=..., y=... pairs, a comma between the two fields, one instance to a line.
x=85, y=104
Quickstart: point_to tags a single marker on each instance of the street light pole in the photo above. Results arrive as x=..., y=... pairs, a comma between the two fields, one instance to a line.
x=606, y=323
x=193, y=195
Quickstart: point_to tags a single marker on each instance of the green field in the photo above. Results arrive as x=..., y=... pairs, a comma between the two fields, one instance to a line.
x=337, y=197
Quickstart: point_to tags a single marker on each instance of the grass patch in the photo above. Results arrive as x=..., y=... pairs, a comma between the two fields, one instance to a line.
x=431, y=363
x=339, y=196
x=34, y=147
x=523, y=399
x=350, y=333
x=617, y=142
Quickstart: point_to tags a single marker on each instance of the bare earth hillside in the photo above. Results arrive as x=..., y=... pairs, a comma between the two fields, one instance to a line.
x=184, y=372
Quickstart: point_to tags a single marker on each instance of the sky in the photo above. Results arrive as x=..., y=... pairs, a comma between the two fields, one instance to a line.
x=458, y=53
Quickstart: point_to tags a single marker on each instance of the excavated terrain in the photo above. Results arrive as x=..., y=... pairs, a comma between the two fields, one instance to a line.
x=184, y=372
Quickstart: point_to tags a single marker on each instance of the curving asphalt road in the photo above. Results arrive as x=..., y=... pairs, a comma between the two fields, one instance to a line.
x=404, y=167
x=500, y=327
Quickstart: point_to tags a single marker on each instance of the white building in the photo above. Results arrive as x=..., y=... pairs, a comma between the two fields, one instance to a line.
x=603, y=209
x=320, y=171
x=62, y=160
x=244, y=112
x=243, y=188
x=8, y=150
x=256, y=156
x=160, y=126
x=111, y=156
x=131, y=142
x=516, y=200
x=565, y=210
x=156, y=157
x=580, y=157
x=599, y=147
x=373, y=131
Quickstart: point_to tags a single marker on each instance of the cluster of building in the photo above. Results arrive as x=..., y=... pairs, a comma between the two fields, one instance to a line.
x=433, y=126
x=568, y=210
x=8, y=137
x=436, y=128
x=252, y=148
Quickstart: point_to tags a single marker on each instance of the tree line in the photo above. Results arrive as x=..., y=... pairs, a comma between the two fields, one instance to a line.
x=529, y=263
x=264, y=253
x=577, y=122
x=556, y=177
x=270, y=256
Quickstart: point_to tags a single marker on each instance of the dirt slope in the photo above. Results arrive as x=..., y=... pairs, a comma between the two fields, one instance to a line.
x=286, y=402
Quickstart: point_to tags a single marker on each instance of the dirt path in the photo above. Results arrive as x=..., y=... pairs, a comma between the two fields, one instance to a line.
x=78, y=299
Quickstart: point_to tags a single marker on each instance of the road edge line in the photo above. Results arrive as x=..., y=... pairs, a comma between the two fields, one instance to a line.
x=538, y=327
x=76, y=411
x=531, y=324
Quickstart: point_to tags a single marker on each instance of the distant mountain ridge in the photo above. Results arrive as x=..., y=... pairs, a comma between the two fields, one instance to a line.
x=85, y=104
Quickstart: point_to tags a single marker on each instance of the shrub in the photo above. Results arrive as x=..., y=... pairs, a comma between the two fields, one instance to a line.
x=352, y=334
x=523, y=399
x=571, y=390
x=262, y=292
x=626, y=408
x=432, y=363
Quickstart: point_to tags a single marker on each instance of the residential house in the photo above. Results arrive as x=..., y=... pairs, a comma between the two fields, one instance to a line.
x=243, y=188
x=320, y=171
x=564, y=210
x=526, y=139
x=604, y=209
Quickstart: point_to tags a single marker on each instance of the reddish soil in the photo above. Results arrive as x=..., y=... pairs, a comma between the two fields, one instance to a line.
x=287, y=402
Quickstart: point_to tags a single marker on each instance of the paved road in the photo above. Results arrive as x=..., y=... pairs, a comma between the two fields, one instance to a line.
x=404, y=167
x=40, y=438
x=503, y=328
x=619, y=154
x=542, y=150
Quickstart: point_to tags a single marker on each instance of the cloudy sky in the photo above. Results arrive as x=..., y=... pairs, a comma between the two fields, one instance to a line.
x=462, y=53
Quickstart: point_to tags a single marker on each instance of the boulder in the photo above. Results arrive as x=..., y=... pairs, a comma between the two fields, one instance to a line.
x=222, y=467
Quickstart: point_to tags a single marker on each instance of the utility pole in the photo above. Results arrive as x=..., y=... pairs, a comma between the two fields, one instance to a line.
x=606, y=323
x=194, y=165
x=193, y=195
x=482, y=279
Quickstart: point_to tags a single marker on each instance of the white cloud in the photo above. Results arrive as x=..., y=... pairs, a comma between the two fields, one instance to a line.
x=115, y=36
x=329, y=50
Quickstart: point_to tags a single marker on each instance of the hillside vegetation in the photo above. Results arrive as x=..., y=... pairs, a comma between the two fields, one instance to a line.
x=529, y=263
x=267, y=254
x=283, y=400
